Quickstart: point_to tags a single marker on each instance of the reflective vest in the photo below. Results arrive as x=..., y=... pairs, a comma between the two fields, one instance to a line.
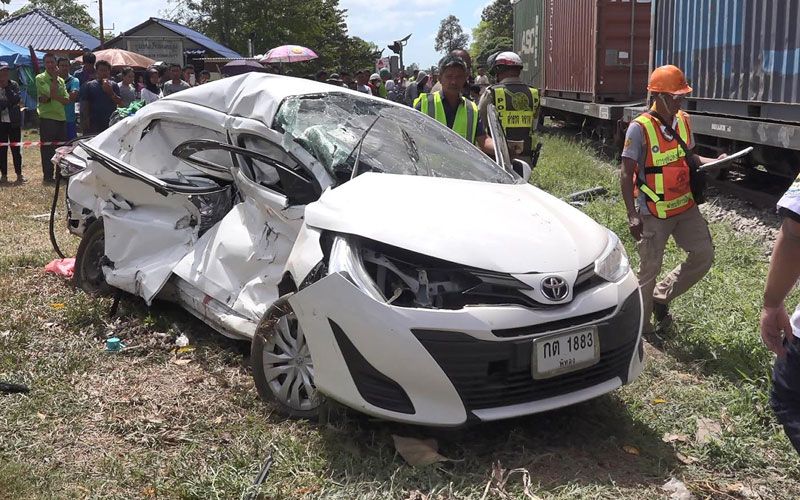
x=664, y=180
x=382, y=90
x=517, y=107
x=466, y=122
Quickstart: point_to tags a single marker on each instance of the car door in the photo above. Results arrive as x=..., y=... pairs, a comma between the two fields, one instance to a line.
x=240, y=261
x=150, y=222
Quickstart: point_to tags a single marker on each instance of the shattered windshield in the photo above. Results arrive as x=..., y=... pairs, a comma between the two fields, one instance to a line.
x=392, y=139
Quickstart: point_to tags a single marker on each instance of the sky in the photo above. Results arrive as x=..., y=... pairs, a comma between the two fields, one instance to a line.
x=378, y=21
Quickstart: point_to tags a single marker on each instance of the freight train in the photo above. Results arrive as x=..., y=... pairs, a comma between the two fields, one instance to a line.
x=590, y=60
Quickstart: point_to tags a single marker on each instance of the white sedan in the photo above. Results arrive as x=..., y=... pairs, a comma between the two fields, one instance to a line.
x=371, y=255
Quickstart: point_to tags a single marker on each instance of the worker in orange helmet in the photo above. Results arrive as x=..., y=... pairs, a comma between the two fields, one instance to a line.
x=659, y=168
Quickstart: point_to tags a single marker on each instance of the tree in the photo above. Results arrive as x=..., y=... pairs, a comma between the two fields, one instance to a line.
x=451, y=35
x=69, y=11
x=499, y=15
x=317, y=24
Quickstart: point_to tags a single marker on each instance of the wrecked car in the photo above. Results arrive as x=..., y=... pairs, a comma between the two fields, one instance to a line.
x=371, y=255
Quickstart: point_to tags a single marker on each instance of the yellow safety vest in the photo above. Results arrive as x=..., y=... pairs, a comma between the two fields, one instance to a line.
x=466, y=122
x=665, y=176
x=516, y=110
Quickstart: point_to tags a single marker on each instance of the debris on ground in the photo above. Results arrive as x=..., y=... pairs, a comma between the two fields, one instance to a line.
x=114, y=344
x=671, y=438
x=418, y=452
x=182, y=340
x=500, y=476
x=678, y=490
x=588, y=194
x=61, y=267
x=707, y=430
x=9, y=388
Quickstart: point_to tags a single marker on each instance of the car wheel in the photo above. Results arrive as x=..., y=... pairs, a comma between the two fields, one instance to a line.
x=282, y=366
x=89, y=261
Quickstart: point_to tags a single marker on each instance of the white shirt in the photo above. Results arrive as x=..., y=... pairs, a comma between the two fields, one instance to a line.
x=148, y=96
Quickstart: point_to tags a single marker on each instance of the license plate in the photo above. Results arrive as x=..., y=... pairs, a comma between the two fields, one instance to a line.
x=565, y=352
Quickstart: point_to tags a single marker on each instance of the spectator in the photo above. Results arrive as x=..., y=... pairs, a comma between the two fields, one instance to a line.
x=482, y=79
x=84, y=76
x=139, y=82
x=385, y=76
x=175, y=84
x=101, y=97
x=126, y=89
x=347, y=80
x=188, y=75
x=53, y=98
x=475, y=92
x=416, y=88
x=205, y=77
x=73, y=88
x=151, y=91
x=335, y=80
x=10, y=121
x=322, y=75
x=86, y=73
x=414, y=76
x=362, y=82
x=374, y=84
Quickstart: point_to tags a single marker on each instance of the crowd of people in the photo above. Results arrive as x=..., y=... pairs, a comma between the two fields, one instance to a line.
x=82, y=101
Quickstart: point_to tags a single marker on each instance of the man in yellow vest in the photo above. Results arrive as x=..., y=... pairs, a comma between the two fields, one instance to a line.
x=452, y=109
x=517, y=104
x=655, y=184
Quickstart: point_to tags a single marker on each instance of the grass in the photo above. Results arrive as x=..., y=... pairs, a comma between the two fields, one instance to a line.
x=145, y=423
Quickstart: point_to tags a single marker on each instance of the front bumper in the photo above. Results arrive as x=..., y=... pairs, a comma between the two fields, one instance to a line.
x=445, y=368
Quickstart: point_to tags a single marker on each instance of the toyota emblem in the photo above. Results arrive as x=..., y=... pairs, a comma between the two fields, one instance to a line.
x=555, y=288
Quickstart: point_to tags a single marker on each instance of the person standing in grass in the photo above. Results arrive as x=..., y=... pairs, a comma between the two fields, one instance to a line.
x=53, y=99
x=780, y=333
x=655, y=184
x=73, y=87
x=10, y=121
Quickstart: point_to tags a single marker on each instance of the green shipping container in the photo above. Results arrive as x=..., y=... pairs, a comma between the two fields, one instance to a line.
x=528, y=39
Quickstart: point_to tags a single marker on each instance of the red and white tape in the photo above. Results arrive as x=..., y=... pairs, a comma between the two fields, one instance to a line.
x=28, y=144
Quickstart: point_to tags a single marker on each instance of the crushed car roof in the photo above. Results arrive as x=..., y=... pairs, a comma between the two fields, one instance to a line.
x=255, y=95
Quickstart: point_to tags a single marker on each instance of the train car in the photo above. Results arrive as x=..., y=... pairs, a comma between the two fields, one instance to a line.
x=589, y=58
x=742, y=59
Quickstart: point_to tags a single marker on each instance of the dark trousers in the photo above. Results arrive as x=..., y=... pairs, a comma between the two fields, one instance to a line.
x=50, y=130
x=785, y=397
x=10, y=133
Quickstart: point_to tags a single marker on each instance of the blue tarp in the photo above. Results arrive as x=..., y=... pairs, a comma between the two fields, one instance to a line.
x=17, y=55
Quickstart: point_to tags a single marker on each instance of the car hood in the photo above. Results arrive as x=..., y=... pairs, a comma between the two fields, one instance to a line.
x=508, y=228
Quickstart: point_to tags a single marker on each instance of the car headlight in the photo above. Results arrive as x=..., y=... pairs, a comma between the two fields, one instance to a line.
x=346, y=259
x=612, y=265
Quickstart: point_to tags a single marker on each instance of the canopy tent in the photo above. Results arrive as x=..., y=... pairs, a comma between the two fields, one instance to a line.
x=17, y=55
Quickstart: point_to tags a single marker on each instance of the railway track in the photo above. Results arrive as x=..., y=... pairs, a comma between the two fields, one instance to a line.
x=755, y=187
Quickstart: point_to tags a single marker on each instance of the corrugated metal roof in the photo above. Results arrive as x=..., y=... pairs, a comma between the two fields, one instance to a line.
x=197, y=37
x=45, y=33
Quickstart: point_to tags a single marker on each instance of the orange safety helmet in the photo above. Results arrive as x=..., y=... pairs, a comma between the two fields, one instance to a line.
x=668, y=79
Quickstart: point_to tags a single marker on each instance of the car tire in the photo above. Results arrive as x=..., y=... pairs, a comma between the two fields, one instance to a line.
x=89, y=260
x=283, y=370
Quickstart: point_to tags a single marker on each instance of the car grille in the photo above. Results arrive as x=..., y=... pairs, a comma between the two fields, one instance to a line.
x=490, y=374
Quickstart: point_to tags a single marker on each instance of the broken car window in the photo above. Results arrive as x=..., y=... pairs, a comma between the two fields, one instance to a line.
x=403, y=141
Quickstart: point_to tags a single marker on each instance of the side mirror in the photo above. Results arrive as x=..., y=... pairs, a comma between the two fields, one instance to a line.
x=522, y=169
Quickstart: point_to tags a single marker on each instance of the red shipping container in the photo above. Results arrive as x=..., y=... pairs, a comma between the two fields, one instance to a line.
x=597, y=50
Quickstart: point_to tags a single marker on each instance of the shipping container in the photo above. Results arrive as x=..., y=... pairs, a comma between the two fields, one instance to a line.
x=742, y=57
x=597, y=50
x=528, y=32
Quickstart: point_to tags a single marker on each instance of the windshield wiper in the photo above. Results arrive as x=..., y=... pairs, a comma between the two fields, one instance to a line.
x=411, y=150
x=359, y=145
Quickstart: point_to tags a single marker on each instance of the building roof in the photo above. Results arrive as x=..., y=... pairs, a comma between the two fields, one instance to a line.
x=195, y=36
x=45, y=32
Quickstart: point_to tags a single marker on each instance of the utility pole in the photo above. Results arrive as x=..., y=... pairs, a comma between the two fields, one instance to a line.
x=102, y=34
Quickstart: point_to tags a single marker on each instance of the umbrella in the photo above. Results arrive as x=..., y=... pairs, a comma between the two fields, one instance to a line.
x=241, y=66
x=16, y=55
x=289, y=54
x=119, y=58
